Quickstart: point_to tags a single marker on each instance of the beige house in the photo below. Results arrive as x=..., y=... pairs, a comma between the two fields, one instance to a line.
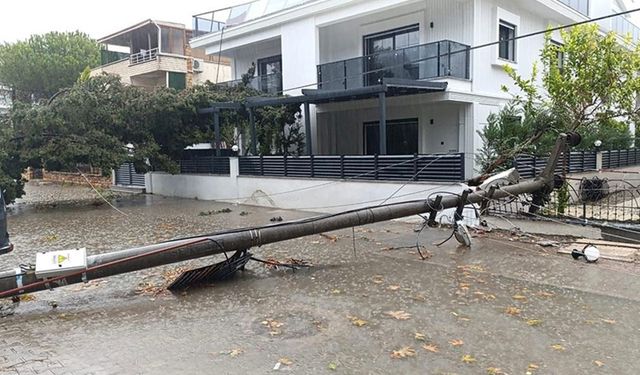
x=157, y=54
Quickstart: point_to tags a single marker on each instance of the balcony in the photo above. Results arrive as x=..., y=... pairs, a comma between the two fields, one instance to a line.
x=581, y=6
x=624, y=28
x=143, y=56
x=268, y=84
x=433, y=60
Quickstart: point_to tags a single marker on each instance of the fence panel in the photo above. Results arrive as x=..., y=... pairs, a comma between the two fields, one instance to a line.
x=206, y=165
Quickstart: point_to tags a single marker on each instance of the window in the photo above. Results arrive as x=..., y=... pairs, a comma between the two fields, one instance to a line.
x=270, y=74
x=381, y=61
x=507, y=46
x=402, y=137
x=559, y=54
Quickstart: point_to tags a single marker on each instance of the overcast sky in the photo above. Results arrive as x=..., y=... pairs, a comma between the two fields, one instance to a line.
x=21, y=18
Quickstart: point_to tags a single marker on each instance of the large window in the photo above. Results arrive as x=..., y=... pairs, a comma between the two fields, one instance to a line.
x=402, y=137
x=507, y=46
x=381, y=61
x=270, y=74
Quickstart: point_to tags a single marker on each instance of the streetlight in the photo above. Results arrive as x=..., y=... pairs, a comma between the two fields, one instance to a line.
x=598, y=144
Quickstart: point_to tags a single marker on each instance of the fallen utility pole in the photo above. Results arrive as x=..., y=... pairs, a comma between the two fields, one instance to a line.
x=21, y=280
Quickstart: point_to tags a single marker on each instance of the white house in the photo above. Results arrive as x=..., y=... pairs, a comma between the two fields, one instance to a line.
x=355, y=62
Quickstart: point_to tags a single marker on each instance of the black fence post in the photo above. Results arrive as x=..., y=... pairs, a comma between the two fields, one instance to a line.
x=285, y=165
x=311, y=166
x=342, y=166
x=415, y=167
x=375, y=166
x=463, y=167
x=261, y=166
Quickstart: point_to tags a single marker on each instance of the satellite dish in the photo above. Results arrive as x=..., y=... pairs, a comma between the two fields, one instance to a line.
x=461, y=233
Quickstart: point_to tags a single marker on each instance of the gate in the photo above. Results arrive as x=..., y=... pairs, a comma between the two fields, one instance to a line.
x=126, y=176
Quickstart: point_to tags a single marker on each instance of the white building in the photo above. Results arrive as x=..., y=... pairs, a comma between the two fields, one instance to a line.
x=404, y=48
x=157, y=54
x=6, y=101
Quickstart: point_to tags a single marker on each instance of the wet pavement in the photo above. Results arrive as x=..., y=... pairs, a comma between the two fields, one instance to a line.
x=503, y=306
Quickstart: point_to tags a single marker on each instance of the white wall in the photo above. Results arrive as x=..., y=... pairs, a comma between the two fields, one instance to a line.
x=314, y=195
x=340, y=129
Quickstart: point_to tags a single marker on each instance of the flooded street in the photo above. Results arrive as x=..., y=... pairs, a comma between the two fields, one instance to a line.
x=500, y=307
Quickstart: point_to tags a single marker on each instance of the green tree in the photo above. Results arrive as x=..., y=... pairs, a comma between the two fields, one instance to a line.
x=10, y=164
x=589, y=84
x=43, y=64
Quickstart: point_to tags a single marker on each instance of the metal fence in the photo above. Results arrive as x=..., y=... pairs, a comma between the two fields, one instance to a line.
x=126, y=176
x=620, y=158
x=206, y=165
x=619, y=205
x=448, y=167
x=530, y=166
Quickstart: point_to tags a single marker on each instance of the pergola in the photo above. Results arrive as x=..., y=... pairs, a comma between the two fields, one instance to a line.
x=388, y=87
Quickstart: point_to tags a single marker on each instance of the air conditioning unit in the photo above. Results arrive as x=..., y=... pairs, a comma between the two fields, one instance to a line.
x=197, y=65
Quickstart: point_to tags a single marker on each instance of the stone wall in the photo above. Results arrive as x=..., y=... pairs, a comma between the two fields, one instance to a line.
x=98, y=181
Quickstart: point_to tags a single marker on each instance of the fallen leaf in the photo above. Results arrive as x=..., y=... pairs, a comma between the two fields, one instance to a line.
x=519, y=297
x=433, y=348
x=330, y=237
x=399, y=315
x=232, y=353
x=558, y=347
x=598, y=363
x=543, y=293
x=27, y=297
x=377, y=279
x=420, y=336
x=468, y=358
x=609, y=321
x=332, y=366
x=533, y=366
x=357, y=321
x=273, y=326
x=393, y=287
x=456, y=342
x=494, y=371
x=405, y=352
x=286, y=361
x=419, y=298
x=336, y=291
x=534, y=322
x=512, y=310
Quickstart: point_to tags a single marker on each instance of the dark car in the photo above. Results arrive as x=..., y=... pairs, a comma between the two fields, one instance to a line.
x=5, y=245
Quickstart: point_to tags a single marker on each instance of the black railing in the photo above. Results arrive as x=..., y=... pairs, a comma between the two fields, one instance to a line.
x=530, y=166
x=206, y=165
x=439, y=59
x=620, y=158
x=270, y=83
x=448, y=167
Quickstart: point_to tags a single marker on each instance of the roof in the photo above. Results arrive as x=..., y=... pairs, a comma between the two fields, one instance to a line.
x=390, y=86
x=118, y=35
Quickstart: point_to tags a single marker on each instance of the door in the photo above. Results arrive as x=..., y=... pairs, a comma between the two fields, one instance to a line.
x=402, y=137
x=382, y=58
x=270, y=74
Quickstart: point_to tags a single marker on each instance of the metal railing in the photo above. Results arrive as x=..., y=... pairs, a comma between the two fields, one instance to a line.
x=108, y=57
x=624, y=27
x=270, y=83
x=206, y=165
x=581, y=6
x=530, y=166
x=439, y=59
x=445, y=168
x=143, y=56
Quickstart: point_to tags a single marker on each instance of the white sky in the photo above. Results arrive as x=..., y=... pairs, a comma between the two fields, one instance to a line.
x=21, y=18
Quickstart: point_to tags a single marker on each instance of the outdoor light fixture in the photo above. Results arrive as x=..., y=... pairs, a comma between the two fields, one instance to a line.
x=598, y=144
x=590, y=253
x=235, y=148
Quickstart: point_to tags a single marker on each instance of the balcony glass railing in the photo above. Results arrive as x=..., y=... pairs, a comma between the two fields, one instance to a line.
x=269, y=84
x=624, y=27
x=107, y=57
x=439, y=59
x=581, y=6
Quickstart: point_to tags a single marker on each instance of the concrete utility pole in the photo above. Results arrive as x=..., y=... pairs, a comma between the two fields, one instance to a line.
x=20, y=281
